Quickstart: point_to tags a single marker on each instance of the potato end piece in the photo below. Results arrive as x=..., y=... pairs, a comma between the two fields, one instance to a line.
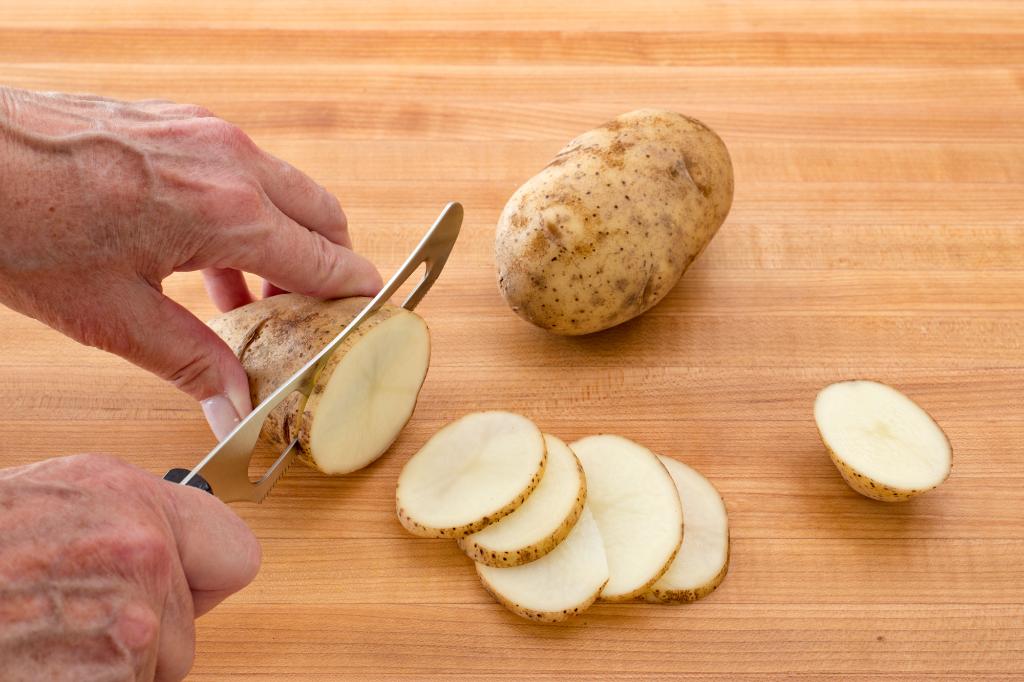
x=885, y=435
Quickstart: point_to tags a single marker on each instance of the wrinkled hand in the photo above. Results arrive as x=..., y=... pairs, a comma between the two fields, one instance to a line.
x=103, y=569
x=101, y=200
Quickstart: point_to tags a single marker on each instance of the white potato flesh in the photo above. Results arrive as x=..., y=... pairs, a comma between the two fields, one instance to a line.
x=701, y=562
x=637, y=509
x=370, y=396
x=471, y=473
x=543, y=520
x=883, y=436
x=560, y=584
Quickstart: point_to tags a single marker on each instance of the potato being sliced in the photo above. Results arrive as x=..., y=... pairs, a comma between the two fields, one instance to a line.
x=543, y=520
x=562, y=583
x=637, y=510
x=884, y=445
x=363, y=396
x=471, y=473
x=703, y=558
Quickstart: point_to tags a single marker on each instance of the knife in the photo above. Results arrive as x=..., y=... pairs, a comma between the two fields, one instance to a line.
x=224, y=472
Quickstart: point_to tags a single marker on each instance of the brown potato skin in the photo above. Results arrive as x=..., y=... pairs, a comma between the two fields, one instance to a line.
x=606, y=230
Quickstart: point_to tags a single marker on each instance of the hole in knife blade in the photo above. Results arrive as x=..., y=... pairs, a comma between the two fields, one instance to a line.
x=409, y=285
x=281, y=425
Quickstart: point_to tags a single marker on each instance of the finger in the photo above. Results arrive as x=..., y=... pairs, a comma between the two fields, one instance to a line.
x=294, y=259
x=226, y=288
x=300, y=198
x=174, y=110
x=271, y=290
x=152, y=331
x=219, y=554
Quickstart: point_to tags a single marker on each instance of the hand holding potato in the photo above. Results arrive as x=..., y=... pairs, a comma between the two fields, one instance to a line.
x=103, y=199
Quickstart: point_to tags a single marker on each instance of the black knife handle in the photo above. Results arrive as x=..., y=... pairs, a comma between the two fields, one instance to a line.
x=178, y=475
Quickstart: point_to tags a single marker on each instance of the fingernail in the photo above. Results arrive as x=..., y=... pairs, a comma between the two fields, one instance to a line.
x=221, y=414
x=239, y=397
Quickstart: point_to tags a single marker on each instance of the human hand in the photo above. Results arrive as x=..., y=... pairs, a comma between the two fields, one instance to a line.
x=103, y=569
x=101, y=200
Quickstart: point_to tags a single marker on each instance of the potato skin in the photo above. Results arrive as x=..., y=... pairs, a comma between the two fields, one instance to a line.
x=606, y=230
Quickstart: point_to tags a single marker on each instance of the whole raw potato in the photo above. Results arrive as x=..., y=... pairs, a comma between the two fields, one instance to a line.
x=603, y=232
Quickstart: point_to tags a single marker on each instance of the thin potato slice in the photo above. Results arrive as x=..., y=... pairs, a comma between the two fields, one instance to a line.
x=703, y=558
x=544, y=519
x=471, y=473
x=885, y=446
x=562, y=583
x=637, y=510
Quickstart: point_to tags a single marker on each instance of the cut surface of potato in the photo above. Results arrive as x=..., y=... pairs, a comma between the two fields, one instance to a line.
x=369, y=398
x=884, y=445
x=703, y=558
x=363, y=396
x=543, y=520
x=471, y=473
x=637, y=509
x=562, y=583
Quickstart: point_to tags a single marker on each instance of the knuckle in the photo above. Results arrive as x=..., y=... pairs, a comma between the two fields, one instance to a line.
x=191, y=377
x=326, y=260
x=227, y=134
x=148, y=550
x=198, y=111
x=137, y=626
x=96, y=461
x=240, y=203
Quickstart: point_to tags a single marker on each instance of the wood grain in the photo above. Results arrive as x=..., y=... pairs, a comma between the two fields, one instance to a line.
x=876, y=231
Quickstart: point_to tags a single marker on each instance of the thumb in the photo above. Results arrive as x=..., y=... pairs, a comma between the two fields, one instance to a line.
x=219, y=554
x=166, y=339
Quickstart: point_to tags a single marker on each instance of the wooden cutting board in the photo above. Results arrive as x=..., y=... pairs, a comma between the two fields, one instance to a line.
x=876, y=231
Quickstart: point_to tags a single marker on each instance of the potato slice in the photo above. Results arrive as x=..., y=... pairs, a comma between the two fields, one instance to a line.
x=884, y=445
x=471, y=473
x=544, y=519
x=637, y=510
x=703, y=558
x=562, y=583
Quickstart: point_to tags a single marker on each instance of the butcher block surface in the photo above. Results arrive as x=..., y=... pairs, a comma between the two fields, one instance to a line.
x=877, y=231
